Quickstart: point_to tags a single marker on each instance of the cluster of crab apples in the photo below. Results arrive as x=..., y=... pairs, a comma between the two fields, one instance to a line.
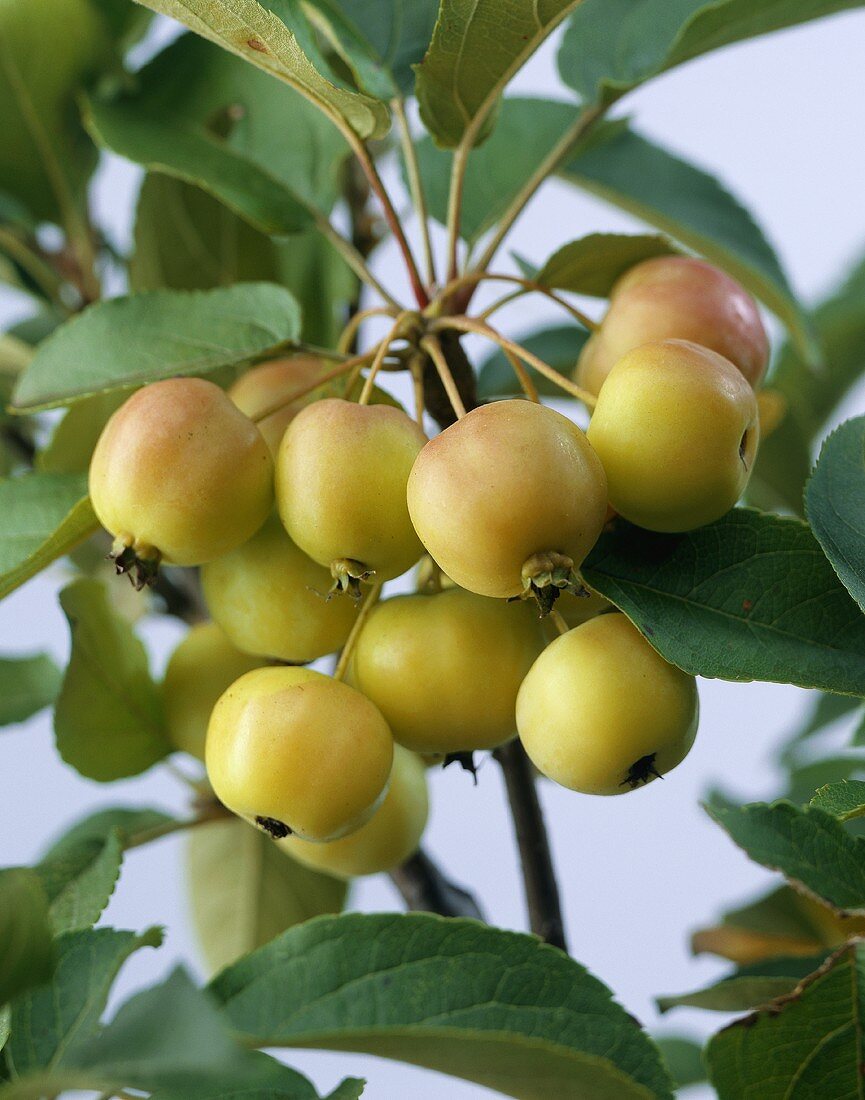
x=293, y=500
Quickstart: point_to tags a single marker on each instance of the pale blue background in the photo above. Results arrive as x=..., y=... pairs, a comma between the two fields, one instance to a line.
x=780, y=121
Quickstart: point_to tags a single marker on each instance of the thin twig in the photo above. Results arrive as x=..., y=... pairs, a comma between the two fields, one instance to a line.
x=459, y=165
x=416, y=187
x=558, y=620
x=348, y=334
x=368, y=604
x=295, y=395
x=416, y=368
x=351, y=256
x=213, y=812
x=528, y=286
x=523, y=377
x=542, y=891
x=434, y=349
x=469, y=324
x=366, y=392
x=425, y=889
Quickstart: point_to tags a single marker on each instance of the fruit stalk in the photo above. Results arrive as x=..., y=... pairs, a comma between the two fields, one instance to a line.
x=425, y=889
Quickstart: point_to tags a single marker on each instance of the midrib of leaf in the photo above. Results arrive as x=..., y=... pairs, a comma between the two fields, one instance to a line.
x=130, y=705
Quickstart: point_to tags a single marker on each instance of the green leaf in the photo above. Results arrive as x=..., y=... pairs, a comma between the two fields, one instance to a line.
x=52, y=1021
x=835, y=504
x=611, y=46
x=395, y=32
x=27, y=955
x=558, y=346
x=751, y=597
x=843, y=800
x=477, y=47
x=127, y=342
x=827, y=710
x=494, y=1007
x=684, y=1059
x=27, y=685
x=806, y=1045
x=108, y=719
x=261, y=37
x=749, y=986
x=100, y=826
x=809, y=846
x=806, y=778
x=625, y=169
x=73, y=441
x=187, y=240
x=44, y=517
x=244, y=890
x=45, y=157
x=593, y=264
x=79, y=883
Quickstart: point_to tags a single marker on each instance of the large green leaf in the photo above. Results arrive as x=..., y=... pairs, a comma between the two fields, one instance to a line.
x=108, y=718
x=53, y=1020
x=751, y=597
x=244, y=890
x=844, y=800
x=625, y=169
x=79, y=883
x=593, y=264
x=805, y=1045
x=494, y=1007
x=271, y=41
x=27, y=684
x=126, y=822
x=810, y=847
x=126, y=342
x=747, y=987
x=44, y=517
x=45, y=156
x=27, y=954
x=612, y=46
x=835, y=504
x=559, y=347
x=477, y=47
x=187, y=240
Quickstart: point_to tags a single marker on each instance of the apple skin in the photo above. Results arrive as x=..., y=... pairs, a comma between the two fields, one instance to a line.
x=677, y=297
x=677, y=430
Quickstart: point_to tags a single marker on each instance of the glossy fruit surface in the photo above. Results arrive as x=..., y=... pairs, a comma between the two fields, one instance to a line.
x=269, y=598
x=203, y=665
x=292, y=750
x=510, y=480
x=677, y=298
x=264, y=386
x=390, y=836
x=602, y=712
x=341, y=483
x=445, y=669
x=677, y=431
x=179, y=472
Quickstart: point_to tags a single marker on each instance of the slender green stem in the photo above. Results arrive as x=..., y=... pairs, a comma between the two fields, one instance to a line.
x=45, y=277
x=526, y=286
x=368, y=604
x=558, y=620
x=459, y=165
x=416, y=187
x=295, y=395
x=366, y=392
x=215, y=811
x=349, y=333
x=352, y=257
x=433, y=348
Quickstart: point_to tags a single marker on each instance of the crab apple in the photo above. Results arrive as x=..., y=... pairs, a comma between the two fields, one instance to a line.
x=202, y=666
x=677, y=430
x=340, y=486
x=601, y=712
x=444, y=669
x=677, y=297
x=269, y=598
x=179, y=474
x=294, y=751
x=264, y=386
x=508, y=499
x=391, y=835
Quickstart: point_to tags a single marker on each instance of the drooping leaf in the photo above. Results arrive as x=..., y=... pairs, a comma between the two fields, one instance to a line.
x=612, y=46
x=559, y=347
x=108, y=719
x=476, y=49
x=126, y=342
x=27, y=955
x=593, y=264
x=244, y=890
x=749, y=986
x=809, y=846
x=27, y=685
x=44, y=517
x=806, y=1045
x=625, y=169
x=80, y=882
x=835, y=504
x=750, y=597
x=493, y=1007
x=843, y=800
x=45, y=156
x=53, y=1020
x=98, y=827
x=269, y=39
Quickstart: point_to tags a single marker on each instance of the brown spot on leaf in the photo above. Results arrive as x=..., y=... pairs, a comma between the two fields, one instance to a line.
x=256, y=44
x=747, y=605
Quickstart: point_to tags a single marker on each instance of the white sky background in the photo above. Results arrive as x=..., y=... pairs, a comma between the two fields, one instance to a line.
x=780, y=121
